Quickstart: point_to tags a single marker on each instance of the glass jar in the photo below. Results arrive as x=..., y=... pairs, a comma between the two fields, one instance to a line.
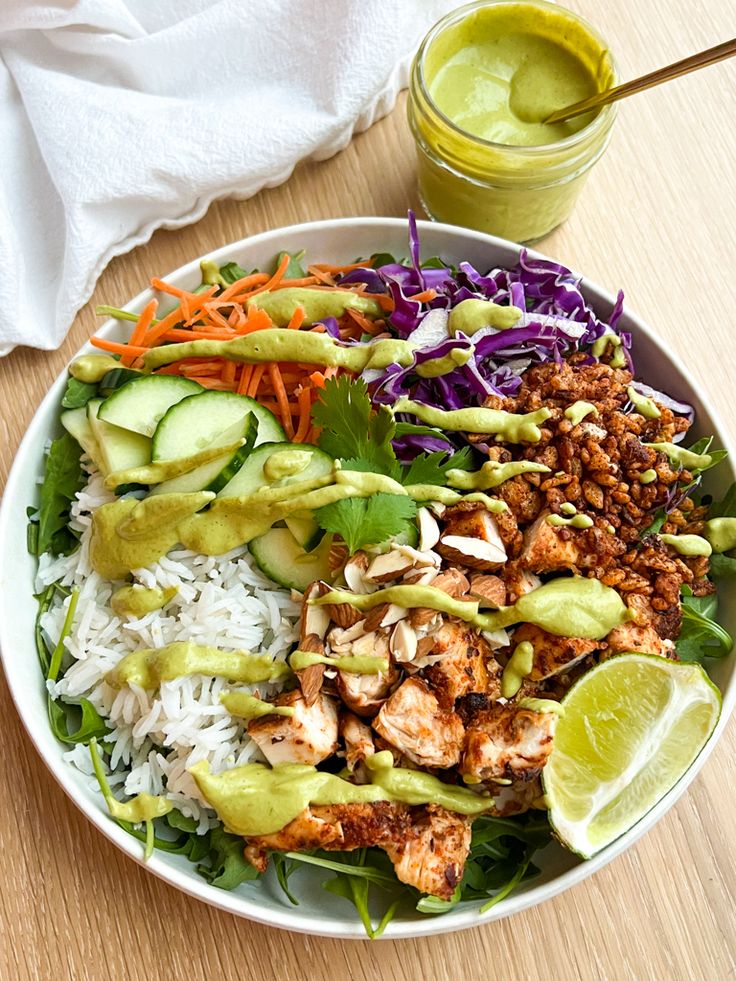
x=516, y=192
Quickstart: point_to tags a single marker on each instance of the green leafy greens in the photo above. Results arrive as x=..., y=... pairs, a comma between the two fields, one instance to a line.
x=62, y=480
x=700, y=635
x=78, y=393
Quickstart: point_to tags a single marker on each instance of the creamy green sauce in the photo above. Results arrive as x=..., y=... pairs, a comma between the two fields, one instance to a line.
x=618, y=359
x=542, y=705
x=575, y=521
x=508, y=427
x=256, y=800
x=112, y=556
x=92, y=368
x=492, y=474
x=317, y=304
x=504, y=69
x=136, y=601
x=568, y=508
x=148, y=668
x=357, y=664
x=435, y=367
x=286, y=463
x=211, y=273
x=472, y=315
x=648, y=476
x=155, y=514
x=519, y=666
x=579, y=410
x=445, y=495
x=157, y=473
x=682, y=457
x=568, y=606
x=245, y=706
x=276, y=344
x=690, y=545
x=643, y=405
x=721, y=533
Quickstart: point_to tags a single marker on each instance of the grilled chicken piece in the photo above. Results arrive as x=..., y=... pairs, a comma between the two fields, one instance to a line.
x=643, y=640
x=471, y=538
x=553, y=654
x=413, y=721
x=667, y=623
x=431, y=855
x=338, y=827
x=462, y=668
x=364, y=694
x=308, y=736
x=518, y=797
x=545, y=550
x=507, y=742
x=358, y=739
x=519, y=581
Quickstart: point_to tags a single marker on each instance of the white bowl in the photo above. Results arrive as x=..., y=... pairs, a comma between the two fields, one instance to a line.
x=319, y=912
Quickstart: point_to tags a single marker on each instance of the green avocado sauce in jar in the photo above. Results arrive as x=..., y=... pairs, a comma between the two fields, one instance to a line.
x=482, y=83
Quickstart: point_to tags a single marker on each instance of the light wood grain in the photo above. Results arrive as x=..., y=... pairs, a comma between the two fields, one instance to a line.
x=658, y=218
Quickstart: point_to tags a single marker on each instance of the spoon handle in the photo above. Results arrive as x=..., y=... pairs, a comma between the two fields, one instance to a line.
x=690, y=64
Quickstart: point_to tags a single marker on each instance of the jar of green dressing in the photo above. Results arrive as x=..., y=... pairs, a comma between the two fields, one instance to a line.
x=483, y=81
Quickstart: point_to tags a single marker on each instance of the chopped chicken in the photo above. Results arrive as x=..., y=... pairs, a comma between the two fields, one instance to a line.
x=553, y=654
x=413, y=721
x=358, y=739
x=507, y=742
x=545, y=550
x=644, y=640
x=338, y=827
x=364, y=694
x=472, y=538
x=308, y=736
x=517, y=797
x=489, y=590
x=431, y=855
x=462, y=666
x=519, y=581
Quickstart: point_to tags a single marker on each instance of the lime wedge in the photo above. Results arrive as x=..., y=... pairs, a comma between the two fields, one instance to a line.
x=630, y=728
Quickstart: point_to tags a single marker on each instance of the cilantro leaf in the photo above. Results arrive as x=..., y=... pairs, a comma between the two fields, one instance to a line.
x=431, y=468
x=700, y=635
x=62, y=480
x=77, y=394
x=351, y=429
x=363, y=521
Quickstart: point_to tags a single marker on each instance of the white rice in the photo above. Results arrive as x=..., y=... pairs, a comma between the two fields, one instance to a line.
x=156, y=735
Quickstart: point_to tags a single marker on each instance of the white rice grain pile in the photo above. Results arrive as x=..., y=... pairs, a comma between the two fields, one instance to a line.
x=156, y=735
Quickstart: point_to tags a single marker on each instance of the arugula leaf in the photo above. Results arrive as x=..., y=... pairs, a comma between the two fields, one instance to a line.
x=703, y=446
x=78, y=393
x=722, y=566
x=431, y=468
x=62, y=480
x=231, y=272
x=75, y=722
x=350, y=427
x=226, y=866
x=363, y=521
x=295, y=269
x=725, y=508
x=382, y=259
x=700, y=635
x=356, y=891
x=285, y=868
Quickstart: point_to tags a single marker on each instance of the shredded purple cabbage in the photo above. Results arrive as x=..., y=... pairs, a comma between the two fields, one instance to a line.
x=557, y=322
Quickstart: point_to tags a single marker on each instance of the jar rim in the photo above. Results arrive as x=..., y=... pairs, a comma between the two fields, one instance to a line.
x=604, y=117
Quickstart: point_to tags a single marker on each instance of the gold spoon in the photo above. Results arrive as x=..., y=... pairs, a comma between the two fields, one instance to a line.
x=700, y=60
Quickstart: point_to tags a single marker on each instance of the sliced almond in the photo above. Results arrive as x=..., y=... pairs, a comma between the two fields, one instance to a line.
x=390, y=565
x=421, y=577
x=393, y=614
x=337, y=556
x=429, y=530
x=490, y=590
x=453, y=582
x=315, y=619
x=419, y=558
x=354, y=573
x=343, y=614
x=473, y=552
x=339, y=636
x=403, y=643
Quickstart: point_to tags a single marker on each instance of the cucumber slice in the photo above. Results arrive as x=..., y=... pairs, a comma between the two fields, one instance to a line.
x=77, y=424
x=139, y=404
x=193, y=423
x=252, y=477
x=280, y=557
x=270, y=429
x=305, y=530
x=214, y=475
x=120, y=449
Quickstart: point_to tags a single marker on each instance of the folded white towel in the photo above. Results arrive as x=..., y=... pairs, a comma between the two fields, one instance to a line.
x=119, y=117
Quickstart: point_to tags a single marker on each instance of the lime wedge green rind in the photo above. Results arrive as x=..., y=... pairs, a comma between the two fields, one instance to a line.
x=631, y=728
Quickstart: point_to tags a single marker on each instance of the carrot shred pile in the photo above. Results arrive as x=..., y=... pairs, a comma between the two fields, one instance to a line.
x=288, y=390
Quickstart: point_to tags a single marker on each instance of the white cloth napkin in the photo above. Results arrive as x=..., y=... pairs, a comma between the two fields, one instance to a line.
x=118, y=117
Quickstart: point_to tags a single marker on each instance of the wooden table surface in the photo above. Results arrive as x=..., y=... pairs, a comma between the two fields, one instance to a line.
x=658, y=218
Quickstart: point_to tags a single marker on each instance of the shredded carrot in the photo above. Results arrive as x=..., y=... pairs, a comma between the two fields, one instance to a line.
x=281, y=398
x=245, y=376
x=297, y=318
x=322, y=276
x=115, y=348
x=305, y=417
x=139, y=332
x=270, y=284
x=246, y=283
x=305, y=281
x=326, y=267
x=212, y=334
x=228, y=373
x=425, y=296
x=317, y=379
x=255, y=381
